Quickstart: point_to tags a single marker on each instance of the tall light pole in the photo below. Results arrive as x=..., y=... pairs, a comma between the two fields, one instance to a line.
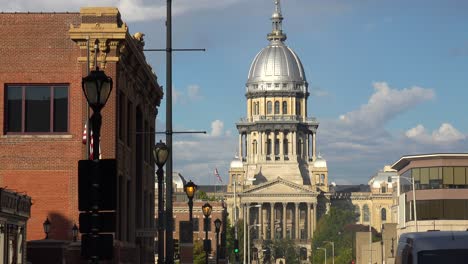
x=160, y=154
x=246, y=234
x=217, y=223
x=333, y=250
x=414, y=197
x=325, y=250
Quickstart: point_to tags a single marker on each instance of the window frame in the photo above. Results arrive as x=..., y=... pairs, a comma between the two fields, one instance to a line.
x=23, y=113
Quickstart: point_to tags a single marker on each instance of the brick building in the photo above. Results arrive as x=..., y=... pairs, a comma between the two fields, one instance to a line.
x=43, y=57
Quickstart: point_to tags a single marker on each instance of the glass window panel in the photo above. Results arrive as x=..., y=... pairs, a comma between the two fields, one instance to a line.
x=60, y=109
x=459, y=175
x=14, y=109
x=285, y=108
x=365, y=212
x=434, y=173
x=424, y=176
x=453, y=209
x=447, y=176
x=416, y=173
x=37, y=106
x=277, y=107
x=269, y=107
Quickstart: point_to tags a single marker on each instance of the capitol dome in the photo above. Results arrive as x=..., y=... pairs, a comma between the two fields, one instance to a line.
x=236, y=163
x=276, y=67
x=320, y=162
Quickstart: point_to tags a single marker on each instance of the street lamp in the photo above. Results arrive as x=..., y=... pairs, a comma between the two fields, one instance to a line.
x=74, y=232
x=333, y=250
x=217, y=223
x=248, y=246
x=46, y=226
x=247, y=236
x=206, y=208
x=414, y=196
x=160, y=153
x=324, y=249
x=190, y=188
x=97, y=87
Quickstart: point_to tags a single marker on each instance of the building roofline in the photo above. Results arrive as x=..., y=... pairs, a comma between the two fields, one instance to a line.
x=405, y=160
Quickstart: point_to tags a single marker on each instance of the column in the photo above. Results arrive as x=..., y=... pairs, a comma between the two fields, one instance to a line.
x=245, y=231
x=309, y=222
x=294, y=145
x=260, y=220
x=272, y=220
x=248, y=147
x=314, y=156
x=290, y=144
x=284, y=220
x=240, y=146
x=273, y=139
x=247, y=205
x=260, y=146
x=281, y=141
x=296, y=221
x=307, y=146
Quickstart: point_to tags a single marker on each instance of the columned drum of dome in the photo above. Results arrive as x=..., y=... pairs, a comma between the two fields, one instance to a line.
x=278, y=177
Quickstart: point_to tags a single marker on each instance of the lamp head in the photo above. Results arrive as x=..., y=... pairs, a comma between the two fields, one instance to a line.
x=206, y=208
x=74, y=232
x=217, y=223
x=97, y=87
x=160, y=153
x=190, y=188
x=46, y=226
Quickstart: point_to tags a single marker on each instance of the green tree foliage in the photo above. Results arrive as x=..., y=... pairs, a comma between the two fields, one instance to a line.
x=198, y=252
x=284, y=248
x=230, y=236
x=331, y=227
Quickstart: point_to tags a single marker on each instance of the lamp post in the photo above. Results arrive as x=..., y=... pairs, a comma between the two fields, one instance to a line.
x=97, y=87
x=206, y=208
x=333, y=250
x=160, y=153
x=75, y=232
x=414, y=197
x=46, y=226
x=247, y=235
x=324, y=249
x=217, y=223
x=190, y=188
x=248, y=243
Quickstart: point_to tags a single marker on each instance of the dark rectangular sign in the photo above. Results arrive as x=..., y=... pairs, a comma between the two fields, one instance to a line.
x=105, y=222
x=97, y=184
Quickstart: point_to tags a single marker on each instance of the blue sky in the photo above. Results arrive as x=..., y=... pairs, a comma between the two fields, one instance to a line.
x=387, y=78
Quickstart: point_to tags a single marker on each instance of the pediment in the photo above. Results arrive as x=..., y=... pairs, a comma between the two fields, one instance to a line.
x=279, y=186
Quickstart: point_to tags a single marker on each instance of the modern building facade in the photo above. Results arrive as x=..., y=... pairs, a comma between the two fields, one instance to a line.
x=441, y=192
x=43, y=112
x=275, y=183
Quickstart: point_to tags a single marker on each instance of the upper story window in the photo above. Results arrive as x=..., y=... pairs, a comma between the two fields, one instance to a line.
x=285, y=108
x=277, y=108
x=36, y=109
x=284, y=85
x=277, y=85
x=269, y=107
x=365, y=213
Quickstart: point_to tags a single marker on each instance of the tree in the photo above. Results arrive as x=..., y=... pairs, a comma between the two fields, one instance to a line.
x=230, y=240
x=198, y=252
x=284, y=248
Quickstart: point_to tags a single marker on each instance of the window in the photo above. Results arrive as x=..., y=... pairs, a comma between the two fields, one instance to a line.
x=383, y=214
x=37, y=108
x=121, y=114
x=196, y=224
x=298, y=108
x=129, y=121
x=269, y=107
x=285, y=108
x=365, y=212
x=277, y=107
x=277, y=85
x=357, y=212
x=285, y=85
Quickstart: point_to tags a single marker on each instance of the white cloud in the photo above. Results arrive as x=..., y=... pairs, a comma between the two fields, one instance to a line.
x=217, y=128
x=385, y=104
x=445, y=134
x=192, y=93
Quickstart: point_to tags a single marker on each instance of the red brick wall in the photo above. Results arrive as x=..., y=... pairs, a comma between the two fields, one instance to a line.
x=35, y=48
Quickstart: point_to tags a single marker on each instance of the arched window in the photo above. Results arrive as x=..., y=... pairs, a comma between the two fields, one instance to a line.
x=357, y=212
x=322, y=178
x=365, y=213
x=255, y=147
x=285, y=108
x=277, y=107
x=269, y=107
x=298, y=108
x=383, y=214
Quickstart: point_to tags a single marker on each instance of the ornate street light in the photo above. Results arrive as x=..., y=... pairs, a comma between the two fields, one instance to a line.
x=190, y=188
x=217, y=223
x=46, y=226
x=207, y=208
x=74, y=232
x=160, y=153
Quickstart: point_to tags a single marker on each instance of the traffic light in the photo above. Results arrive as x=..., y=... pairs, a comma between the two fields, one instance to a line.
x=236, y=246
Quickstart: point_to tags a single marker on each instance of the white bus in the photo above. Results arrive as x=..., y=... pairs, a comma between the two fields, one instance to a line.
x=433, y=247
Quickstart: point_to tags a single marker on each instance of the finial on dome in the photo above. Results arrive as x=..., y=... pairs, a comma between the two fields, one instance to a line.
x=277, y=18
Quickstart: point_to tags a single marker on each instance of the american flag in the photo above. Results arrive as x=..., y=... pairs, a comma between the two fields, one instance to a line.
x=91, y=143
x=217, y=175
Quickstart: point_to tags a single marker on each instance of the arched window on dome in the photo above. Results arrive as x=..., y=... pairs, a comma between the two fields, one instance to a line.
x=277, y=108
x=365, y=213
x=269, y=107
x=357, y=212
x=383, y=214
x=298, y=108
x=285, y=108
